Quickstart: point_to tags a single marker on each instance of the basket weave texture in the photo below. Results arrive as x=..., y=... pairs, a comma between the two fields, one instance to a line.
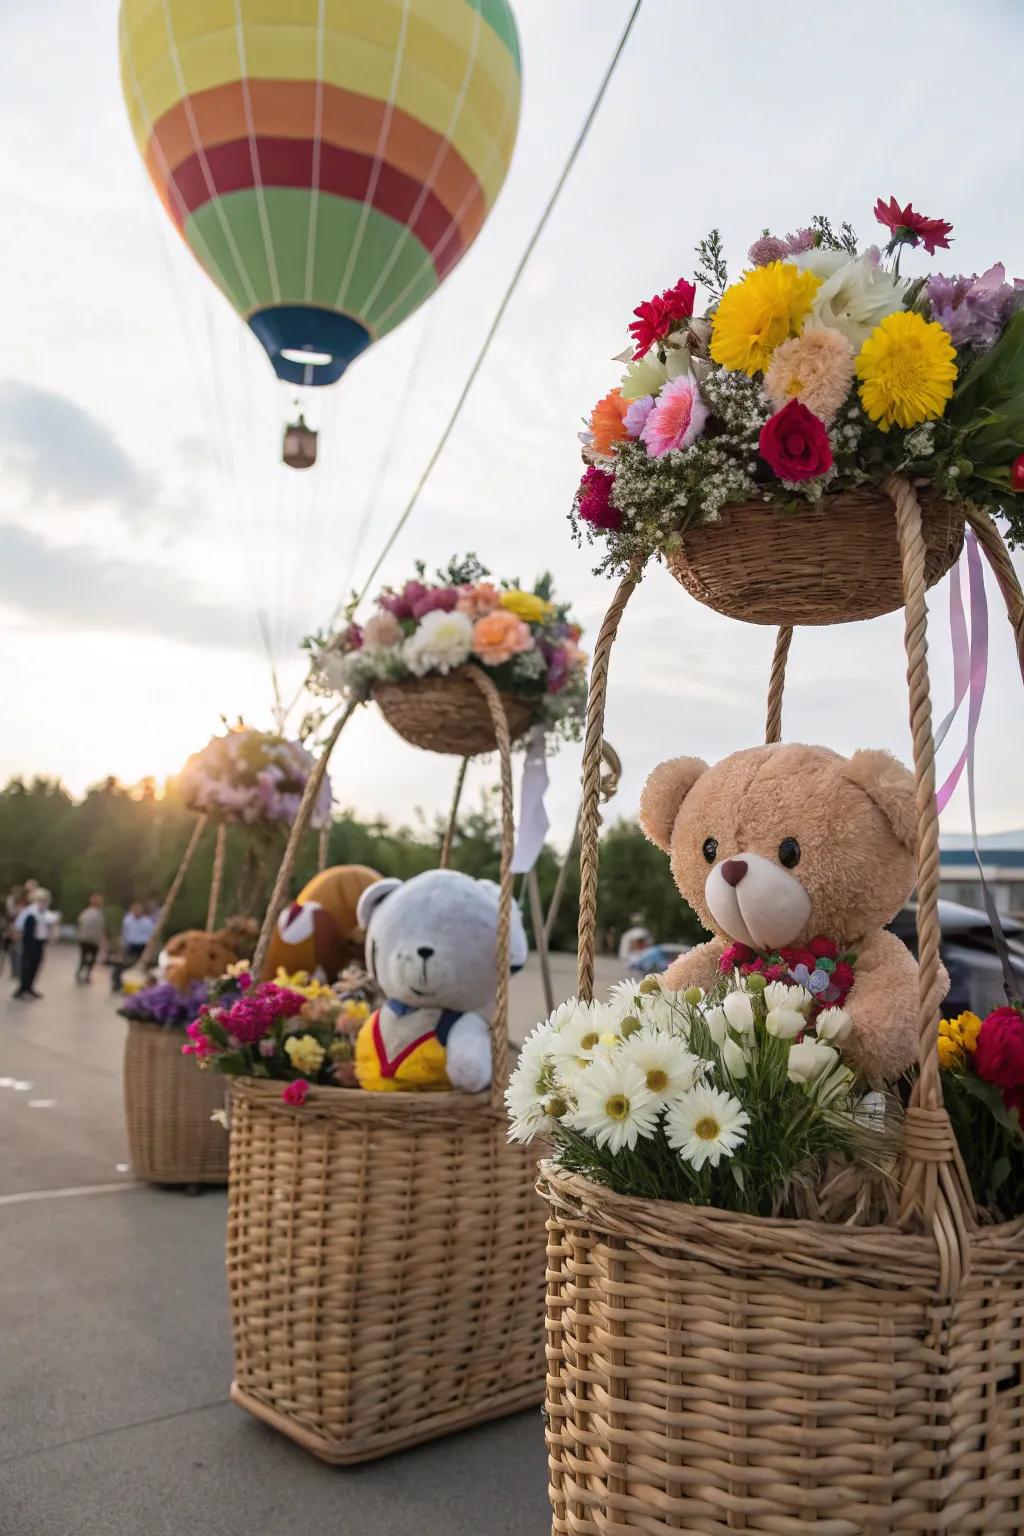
x=448, y=714
x=167, y=1107
x=824, y=565
x=716, y=1373
x=385, y=1258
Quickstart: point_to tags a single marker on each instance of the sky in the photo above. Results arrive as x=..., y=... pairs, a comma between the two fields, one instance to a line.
x=145, y=519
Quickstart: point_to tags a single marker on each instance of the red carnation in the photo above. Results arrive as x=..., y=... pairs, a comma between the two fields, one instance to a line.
x=999, y=1053
x=823, y=949
x=910, y=228
x=1017, y=473
x=295, y=1093
x=794, y=443
x=594, y=500
x=735, y=955
x=657, y=317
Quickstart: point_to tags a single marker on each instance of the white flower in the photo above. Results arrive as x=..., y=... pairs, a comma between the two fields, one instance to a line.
x=786, y=1023
x=668, y=1067
x=530, y=1111
x=576, y=1036
x=220, y=1117
x=615, y=1105
x=704, y=1124
x=734, y=1059
x=624, y=993
x=779, y=994
x=739, y=1010
x=833, y=1024
x=809, y=1060
x=535, y=1054
x=330, y=663
x=661, y=1011
x=717, y=1024
x=857, y=292
x=440, y=642
x=645, y=376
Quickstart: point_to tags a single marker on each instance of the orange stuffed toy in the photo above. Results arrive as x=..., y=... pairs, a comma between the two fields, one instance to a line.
x=196, y=954
x=319, y=932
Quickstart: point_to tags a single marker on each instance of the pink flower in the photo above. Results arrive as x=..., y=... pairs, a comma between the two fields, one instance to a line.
x=803, y=240
x=677, y=418
x=400, y=603
x=436, y=599
x=478, y=600
x=295, y=1093
x=499, y=636
x=594, y=500
x=636, y=416
x=382, y=630
x=766, y=250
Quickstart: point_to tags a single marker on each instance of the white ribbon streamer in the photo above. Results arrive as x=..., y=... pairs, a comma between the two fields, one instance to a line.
x=533, y=816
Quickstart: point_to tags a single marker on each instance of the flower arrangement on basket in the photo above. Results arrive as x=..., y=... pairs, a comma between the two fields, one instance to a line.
x=524, y=640
x=295, y=1030
x=165, y=1004
x=726, y=1098
x=821, y=369
x=254, y=778
x=982, y=1062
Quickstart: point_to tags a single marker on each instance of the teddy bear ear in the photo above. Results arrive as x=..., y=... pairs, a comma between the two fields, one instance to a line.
x=371, y=898
x=890, y=786
x=663, y=794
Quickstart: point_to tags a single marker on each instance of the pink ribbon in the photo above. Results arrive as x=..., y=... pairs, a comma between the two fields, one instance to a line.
x=970, y=668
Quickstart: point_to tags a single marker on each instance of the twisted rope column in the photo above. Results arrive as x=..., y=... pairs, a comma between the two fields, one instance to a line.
x=322, y=847
x=217, y=877
x=776, y=683
x=453, y=815
x=590, y=812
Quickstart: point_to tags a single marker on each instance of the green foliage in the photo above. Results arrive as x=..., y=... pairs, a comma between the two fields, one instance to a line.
x=990, y=1142
x=711, y=269
x=127, y=843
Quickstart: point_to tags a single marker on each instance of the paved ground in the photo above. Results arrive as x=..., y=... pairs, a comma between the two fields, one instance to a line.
x=115, y=1356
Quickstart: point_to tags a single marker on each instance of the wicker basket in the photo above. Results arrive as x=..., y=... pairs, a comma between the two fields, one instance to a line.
x=167, y=1107
x=386, y=1250
x=824, y=565
x=711, y=1372
x=448, y=714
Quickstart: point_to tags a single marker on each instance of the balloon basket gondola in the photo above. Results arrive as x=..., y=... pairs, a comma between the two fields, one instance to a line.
x=168, y=1105
x=449, y=714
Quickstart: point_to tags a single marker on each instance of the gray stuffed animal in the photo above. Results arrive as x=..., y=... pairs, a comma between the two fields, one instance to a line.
x=431, y=946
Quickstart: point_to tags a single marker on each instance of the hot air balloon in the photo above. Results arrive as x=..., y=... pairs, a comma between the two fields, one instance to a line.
x=327, y=161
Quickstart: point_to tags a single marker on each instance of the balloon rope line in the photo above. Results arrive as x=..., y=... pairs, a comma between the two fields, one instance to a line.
x=503, y=306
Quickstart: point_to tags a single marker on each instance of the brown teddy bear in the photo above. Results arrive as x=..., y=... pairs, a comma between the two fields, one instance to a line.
x=196, y=954
x=778, y=845
x=319, y=932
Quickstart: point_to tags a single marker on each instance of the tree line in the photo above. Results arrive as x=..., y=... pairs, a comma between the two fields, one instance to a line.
x=127, y=841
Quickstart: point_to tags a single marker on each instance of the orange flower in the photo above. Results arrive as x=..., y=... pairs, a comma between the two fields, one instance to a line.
x=499, y=636
x=606, y=423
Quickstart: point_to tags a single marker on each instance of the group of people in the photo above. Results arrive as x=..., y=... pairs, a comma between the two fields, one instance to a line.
x=29, y=922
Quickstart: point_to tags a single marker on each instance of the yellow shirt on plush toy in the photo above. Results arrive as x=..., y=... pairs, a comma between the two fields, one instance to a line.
x=420, y=1066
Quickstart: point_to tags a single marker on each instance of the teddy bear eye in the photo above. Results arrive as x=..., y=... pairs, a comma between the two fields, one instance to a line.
x=710, y=849
x=789, y=853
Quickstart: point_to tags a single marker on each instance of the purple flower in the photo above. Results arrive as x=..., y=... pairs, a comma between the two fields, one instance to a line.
x=803, y=240
x=401, y=603
x=164, y=1004
x=558, y=667
x=636, y=416
x=974, y=309
x=766, y=250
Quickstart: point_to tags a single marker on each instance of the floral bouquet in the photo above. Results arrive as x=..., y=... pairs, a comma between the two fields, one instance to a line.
x=294, y=1029
x=982, y=1063
x=254, y=778
x=524, y=640
x=823, y=368
x=731, y=1098
x=166, y=1004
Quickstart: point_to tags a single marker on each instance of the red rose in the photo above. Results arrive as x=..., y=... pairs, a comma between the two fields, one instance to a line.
x=842, y=976
x=794, y=443
x=823, y=949
x=295, y=1093
x=999, y=1054
x=1017, y=473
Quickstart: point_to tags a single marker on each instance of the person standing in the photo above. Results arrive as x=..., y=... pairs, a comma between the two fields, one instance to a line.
x=136, y=932
x=92, y=933
x=33, y=927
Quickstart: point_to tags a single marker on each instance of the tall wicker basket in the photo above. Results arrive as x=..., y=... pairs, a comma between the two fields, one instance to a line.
x=385, y=1252
x=167, y=1110
x=710, y=1372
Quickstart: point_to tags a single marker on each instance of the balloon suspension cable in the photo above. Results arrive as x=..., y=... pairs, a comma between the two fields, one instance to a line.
x=520, y=268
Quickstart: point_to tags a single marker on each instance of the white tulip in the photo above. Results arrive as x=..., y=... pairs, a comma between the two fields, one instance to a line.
x=739, y=1011
x=786, y=1023
x=833, y=1024
x=809, y=1060
x=779, y=994
x=733, y=1059
x=718, y=1025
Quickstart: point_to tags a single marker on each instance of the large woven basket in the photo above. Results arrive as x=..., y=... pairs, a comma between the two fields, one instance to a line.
x=448, y=714
x=712, y=1373
x=386, y=1250
x=818, y=565
x=167, y=1108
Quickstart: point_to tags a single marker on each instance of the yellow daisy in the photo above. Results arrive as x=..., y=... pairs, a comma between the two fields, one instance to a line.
x=762, y=310
x=906, y=370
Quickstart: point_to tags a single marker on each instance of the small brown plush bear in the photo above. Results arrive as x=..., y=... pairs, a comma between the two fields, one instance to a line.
x=779, y=844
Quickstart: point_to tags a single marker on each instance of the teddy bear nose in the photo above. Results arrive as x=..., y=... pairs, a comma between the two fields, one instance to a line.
x=733, y=871
x=424, y=951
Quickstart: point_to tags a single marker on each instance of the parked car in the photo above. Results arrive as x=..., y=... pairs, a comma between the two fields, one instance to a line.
x=969, y=954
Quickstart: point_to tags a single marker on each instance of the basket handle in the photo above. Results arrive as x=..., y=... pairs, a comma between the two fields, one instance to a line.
x=776, y=683
x=453, y=816
x=217, y=877
x=499, y=1014
x=165, y=911
x=593, y=748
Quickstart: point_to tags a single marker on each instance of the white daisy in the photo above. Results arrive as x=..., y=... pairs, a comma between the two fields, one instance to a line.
x=668, y=1067
x=739, y=1010
x=615, y=1105
x=705, y=1124
x=779, y=994
x=575, y=1040
x=531, y=1112
x=624, y=992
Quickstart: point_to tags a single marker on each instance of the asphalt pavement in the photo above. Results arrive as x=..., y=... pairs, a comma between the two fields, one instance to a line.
x=115, y=1358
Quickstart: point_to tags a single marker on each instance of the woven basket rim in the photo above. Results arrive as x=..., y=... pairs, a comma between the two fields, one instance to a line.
x=530, y=702
x=870, y=494
x=678, y=1218
x=347, y=1103
x=147, y=1027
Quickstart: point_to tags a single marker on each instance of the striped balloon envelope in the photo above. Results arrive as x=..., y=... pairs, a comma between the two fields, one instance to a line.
x=327, y=161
